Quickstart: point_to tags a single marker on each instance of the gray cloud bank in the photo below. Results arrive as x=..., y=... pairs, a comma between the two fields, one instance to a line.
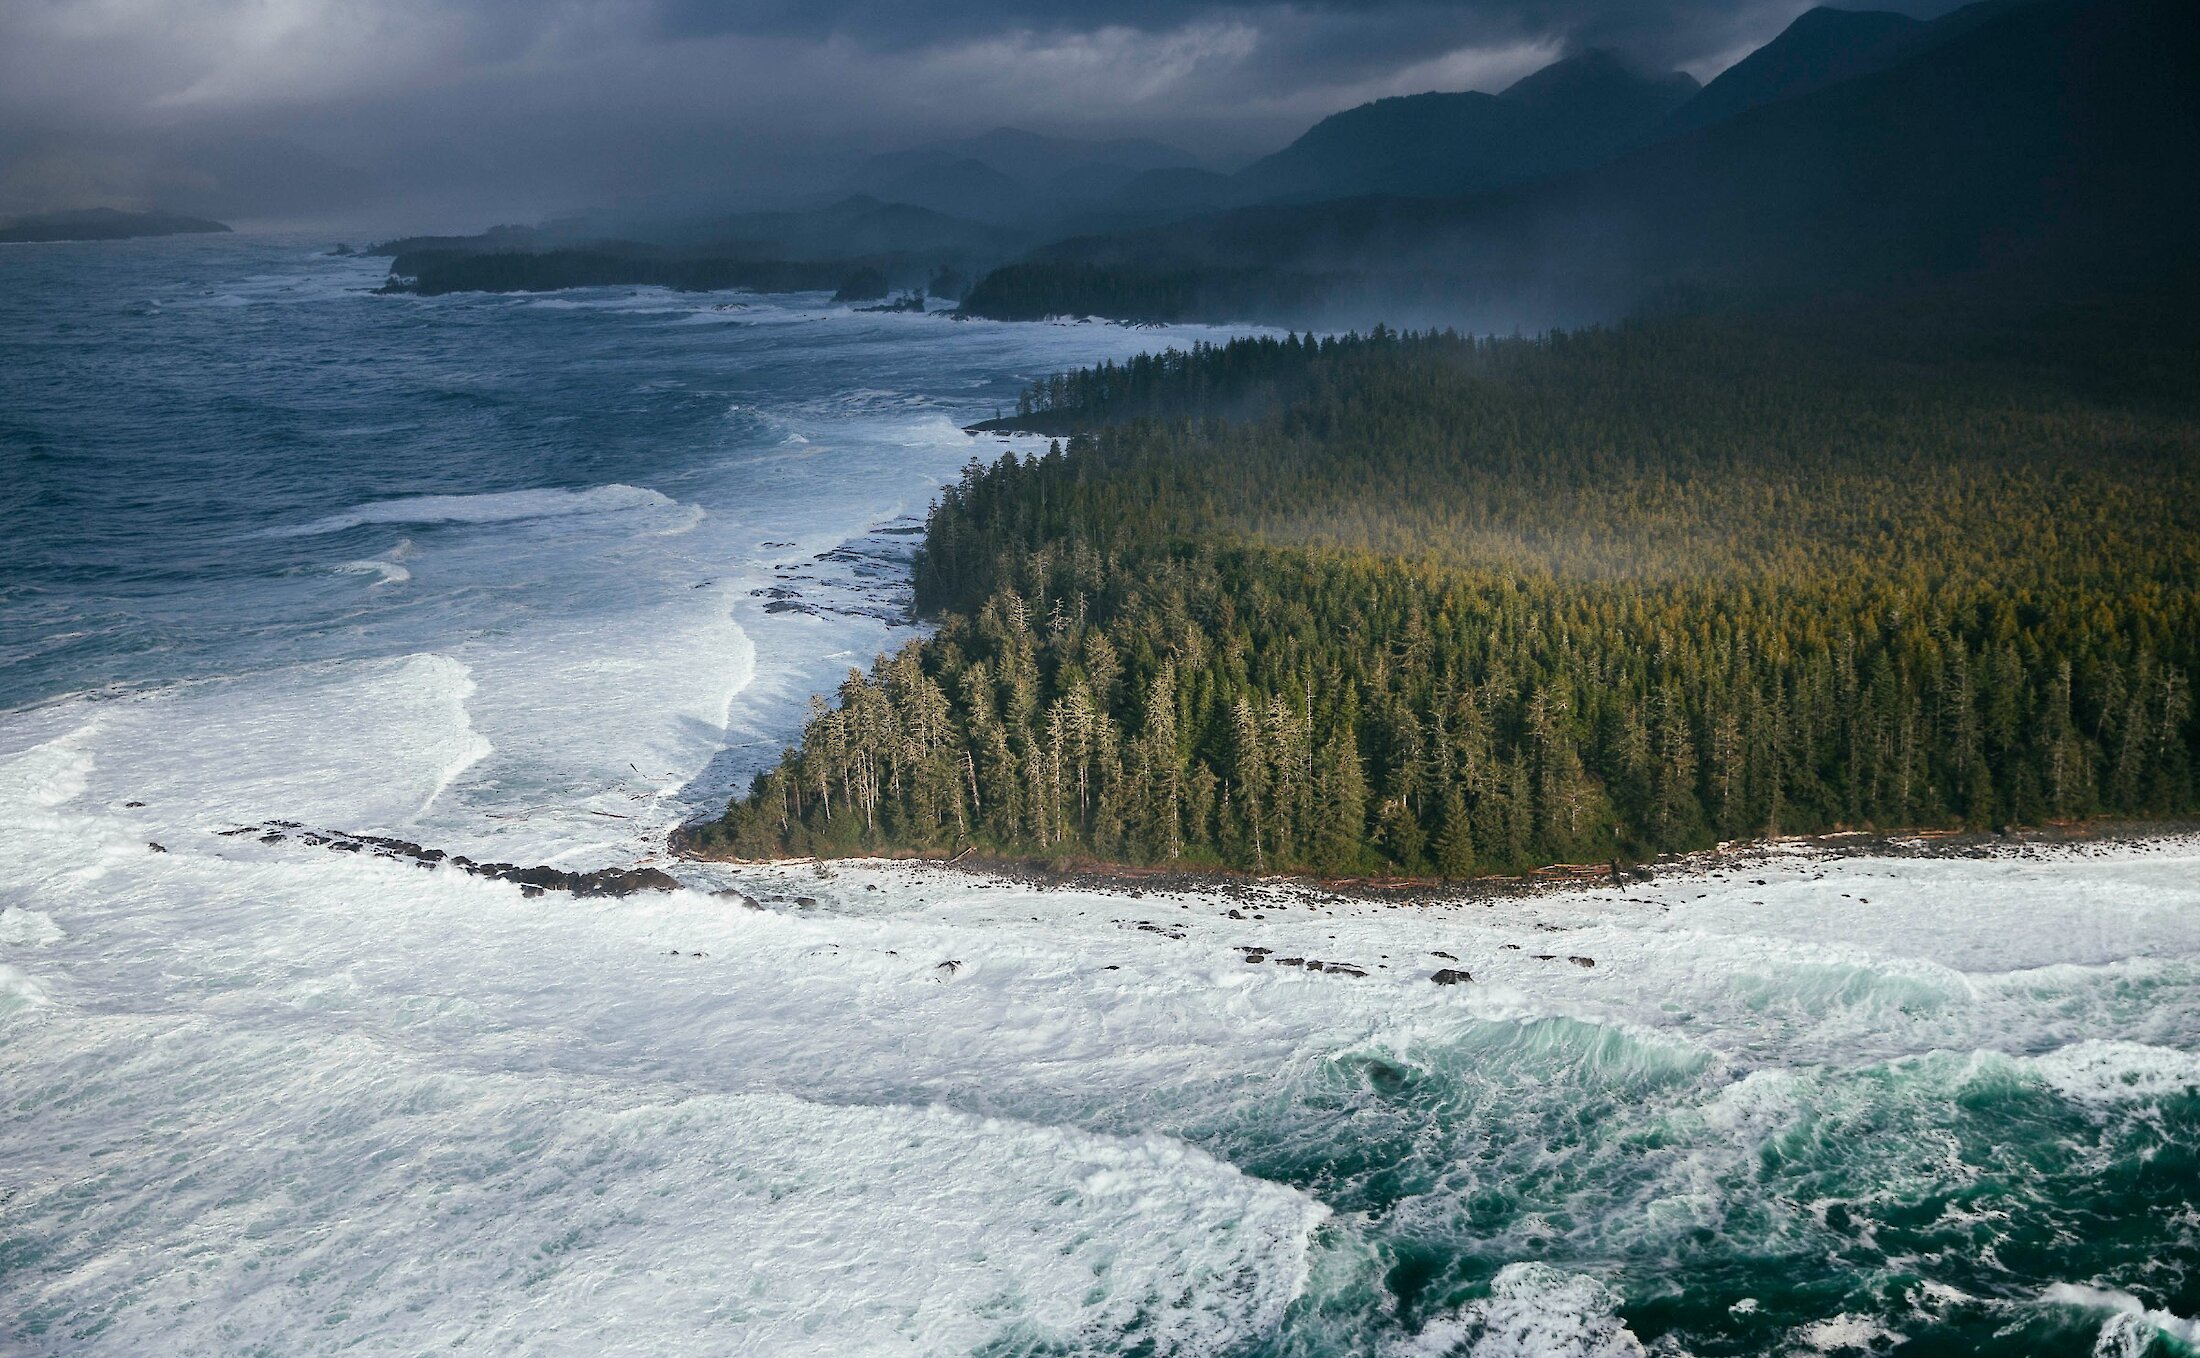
x=460, y=110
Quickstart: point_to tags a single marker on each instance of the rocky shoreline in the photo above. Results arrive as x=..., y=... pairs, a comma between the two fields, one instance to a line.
x=532, y=881
x=1087, y=875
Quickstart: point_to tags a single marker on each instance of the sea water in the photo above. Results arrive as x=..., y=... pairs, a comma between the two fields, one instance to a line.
x=536, y=578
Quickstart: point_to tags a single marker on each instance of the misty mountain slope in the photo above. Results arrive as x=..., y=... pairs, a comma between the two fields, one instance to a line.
x=1029, y=156
x=1570, y=114
x=1010, y=175
x=965, y=188
x=1823, y=47
x=2055, y=142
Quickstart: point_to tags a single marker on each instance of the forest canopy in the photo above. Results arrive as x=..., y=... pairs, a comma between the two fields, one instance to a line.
x=1433, y=605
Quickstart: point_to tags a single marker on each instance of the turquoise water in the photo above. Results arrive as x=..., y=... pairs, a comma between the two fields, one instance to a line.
x=496, y=574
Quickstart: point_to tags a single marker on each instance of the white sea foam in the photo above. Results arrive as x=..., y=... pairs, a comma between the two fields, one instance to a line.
x=501, y=507
x=2131, y=1326
x=49, y=774
x=536, y=1212
x=18, y=992
x=1846, y=1333
x=2113, y=1072
x=390, y=572
x=1533, y=1311
x=20, y=928
x=357, y=745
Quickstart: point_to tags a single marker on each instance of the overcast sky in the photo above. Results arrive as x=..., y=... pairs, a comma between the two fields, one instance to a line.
x=314, y=108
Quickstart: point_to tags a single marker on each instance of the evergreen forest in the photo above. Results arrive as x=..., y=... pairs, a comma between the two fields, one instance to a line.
x=1440, y=606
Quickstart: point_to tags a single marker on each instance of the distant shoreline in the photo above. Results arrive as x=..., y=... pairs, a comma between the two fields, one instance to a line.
x=102, y=224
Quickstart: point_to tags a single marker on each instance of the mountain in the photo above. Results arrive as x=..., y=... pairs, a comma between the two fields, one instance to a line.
x=964, y=188
x=1572, y=113
x=2054, y=146
x=102, y=223
x=1823, y=47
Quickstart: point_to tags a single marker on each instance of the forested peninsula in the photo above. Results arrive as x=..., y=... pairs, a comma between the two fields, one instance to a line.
x=1432, y=605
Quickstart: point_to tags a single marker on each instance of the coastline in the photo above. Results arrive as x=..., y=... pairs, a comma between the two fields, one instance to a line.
x=1098, y=876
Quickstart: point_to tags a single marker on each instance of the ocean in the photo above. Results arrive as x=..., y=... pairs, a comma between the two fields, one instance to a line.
x=535, y=579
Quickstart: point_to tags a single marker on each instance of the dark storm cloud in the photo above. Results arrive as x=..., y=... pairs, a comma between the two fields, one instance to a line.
x=1318, y=33
x=541, y=103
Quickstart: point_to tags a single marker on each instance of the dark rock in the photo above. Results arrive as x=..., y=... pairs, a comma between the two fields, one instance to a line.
x=156, y=848
x=132, y=805
x=744, y=898
x=948, y=968
x=1544, y=956
x=531, y=881
x=1450, y=976
x=627, y=882
x=1583, y=961
x=806, y=902
x=1439, y=952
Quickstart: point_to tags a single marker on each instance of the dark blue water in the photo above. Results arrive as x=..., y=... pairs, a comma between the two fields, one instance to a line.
x=162, y=402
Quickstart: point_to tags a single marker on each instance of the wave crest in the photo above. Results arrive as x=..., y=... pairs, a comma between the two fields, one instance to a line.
x=498, y=507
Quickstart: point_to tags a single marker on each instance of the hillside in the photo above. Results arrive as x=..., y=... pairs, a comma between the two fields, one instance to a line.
x=2049, y=141
x=1576, y=112
x=1824, y=47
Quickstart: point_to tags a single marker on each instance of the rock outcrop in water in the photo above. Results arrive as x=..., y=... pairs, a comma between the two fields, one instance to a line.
x=533, y=881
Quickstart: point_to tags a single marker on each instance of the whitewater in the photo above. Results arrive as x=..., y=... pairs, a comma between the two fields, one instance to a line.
x=536, y=579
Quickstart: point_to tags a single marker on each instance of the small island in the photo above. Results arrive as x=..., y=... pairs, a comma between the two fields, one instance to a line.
x=102, y=223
